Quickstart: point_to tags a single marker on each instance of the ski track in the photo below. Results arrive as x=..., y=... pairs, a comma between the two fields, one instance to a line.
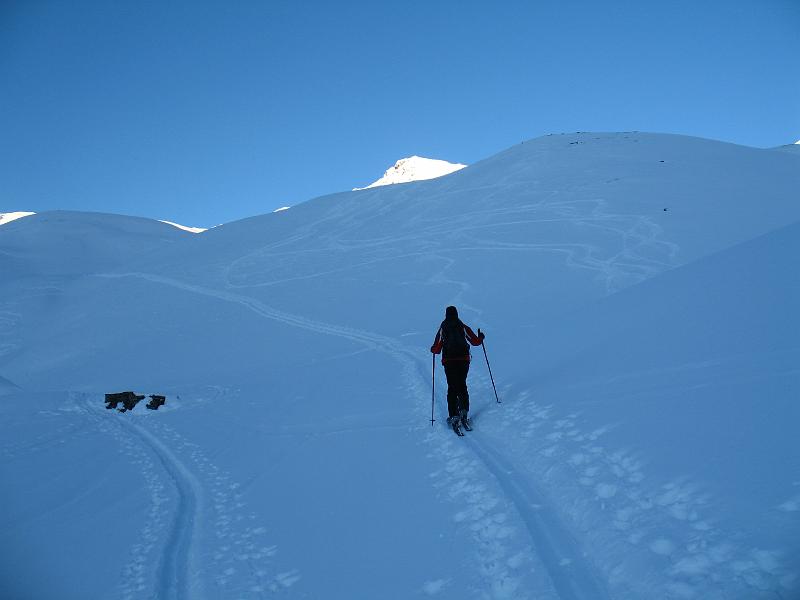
x=664, y=532
x=572, y=575
x=174, y=582
x=640, y=255
x=9, y=322
x=136, y=578
x=505, y=559
x=237, y=561
x=504, y=556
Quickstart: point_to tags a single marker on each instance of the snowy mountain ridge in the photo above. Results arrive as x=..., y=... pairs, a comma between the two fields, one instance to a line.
x=638, y=293
x=414, y=168
x=13, y=216
x=185, y=228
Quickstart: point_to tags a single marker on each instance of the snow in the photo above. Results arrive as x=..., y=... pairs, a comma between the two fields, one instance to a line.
x=790, y=148
x=8, y=217
x=414, y=168
x=13, y=216
x=7, y=386
x=62, y=244
x=646, y=360
x=185, y=228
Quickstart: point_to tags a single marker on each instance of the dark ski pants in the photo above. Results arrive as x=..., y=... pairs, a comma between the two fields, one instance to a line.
x=457, y=394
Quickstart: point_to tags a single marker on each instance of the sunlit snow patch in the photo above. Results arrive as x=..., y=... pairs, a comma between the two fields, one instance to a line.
x=282, y=208
x=415, y=168
x=184, y=227
x=13, y=216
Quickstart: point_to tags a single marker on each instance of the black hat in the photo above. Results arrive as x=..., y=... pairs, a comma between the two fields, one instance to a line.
x=451, y=312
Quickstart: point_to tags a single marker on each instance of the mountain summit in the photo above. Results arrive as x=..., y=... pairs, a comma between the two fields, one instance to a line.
x=415, y=168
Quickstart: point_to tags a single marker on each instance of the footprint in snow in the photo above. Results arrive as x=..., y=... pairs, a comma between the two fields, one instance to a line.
x=434, y=587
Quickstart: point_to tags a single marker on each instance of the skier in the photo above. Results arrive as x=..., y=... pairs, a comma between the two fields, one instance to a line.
x=453, y=339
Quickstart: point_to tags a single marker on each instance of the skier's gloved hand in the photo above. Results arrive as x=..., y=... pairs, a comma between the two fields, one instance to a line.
x=480, y=334
x=433, y=349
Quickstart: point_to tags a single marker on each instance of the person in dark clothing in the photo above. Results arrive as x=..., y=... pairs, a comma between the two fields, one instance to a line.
x=453, y=340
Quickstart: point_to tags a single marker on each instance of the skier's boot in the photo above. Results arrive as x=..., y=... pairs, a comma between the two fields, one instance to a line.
x=454, y=422
x=466, y=422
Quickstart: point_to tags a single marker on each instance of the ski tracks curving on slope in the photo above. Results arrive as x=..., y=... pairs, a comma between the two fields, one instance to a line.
x=636, y=249
x=136, y=577
x=236, y=559
x=176, y=568
x=651, y=539
x=233, y=558
x=550, y=563
x=572, y=575
x=506, y=560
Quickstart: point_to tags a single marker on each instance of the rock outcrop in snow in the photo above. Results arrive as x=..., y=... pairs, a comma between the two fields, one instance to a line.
x=415, y=168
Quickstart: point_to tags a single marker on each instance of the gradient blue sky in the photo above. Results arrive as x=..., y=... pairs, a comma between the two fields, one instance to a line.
x=206, y=112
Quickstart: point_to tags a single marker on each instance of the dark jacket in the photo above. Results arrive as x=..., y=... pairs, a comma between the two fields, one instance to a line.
x=460, y=329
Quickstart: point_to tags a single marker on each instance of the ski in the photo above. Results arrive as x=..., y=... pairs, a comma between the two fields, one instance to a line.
x=466, y=424
x=457, y=429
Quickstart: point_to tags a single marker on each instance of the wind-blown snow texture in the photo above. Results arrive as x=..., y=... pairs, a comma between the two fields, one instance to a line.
x=639, y=297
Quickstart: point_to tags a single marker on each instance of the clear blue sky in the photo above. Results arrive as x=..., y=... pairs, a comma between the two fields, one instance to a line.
x=206, y=112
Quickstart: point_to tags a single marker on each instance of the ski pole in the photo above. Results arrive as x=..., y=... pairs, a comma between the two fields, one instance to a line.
x=433, y=386
x=490, y=371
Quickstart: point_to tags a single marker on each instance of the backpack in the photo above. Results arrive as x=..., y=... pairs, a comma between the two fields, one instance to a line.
x=454, y=339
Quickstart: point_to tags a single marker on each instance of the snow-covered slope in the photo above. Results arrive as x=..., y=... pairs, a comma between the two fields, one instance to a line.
x=415, y=168
x=792, y=148
x=6, y=386
x=637, y=292
x=74, y=243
